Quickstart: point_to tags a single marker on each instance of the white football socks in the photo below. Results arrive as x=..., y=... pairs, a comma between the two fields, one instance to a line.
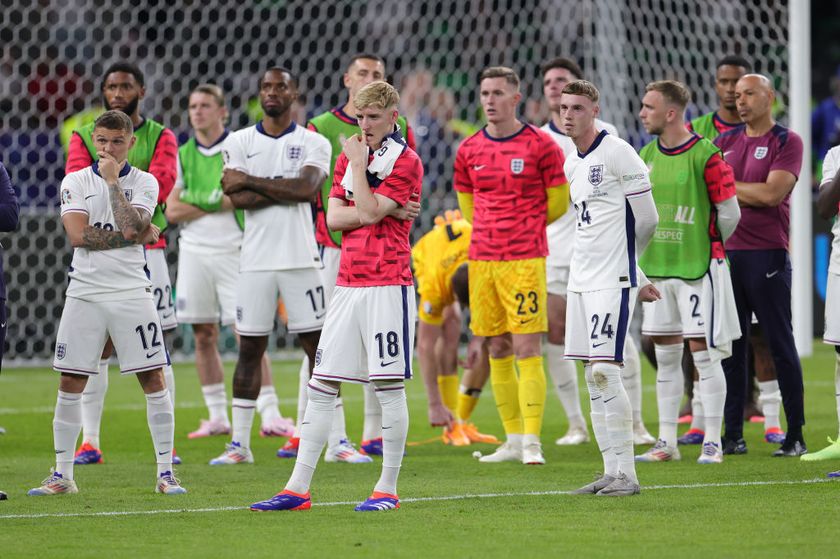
x=216, y=400
x=618, y=415
x=669, y=390
x=93, y=400
x=267, y=404
x=314, y=432
x=303, y=383
x=837, y=388
x=564, y=378
x=242, y=411
x=161, y=418
x=712, y=392
x=338, y=428
x=599, y=423
x=698, y=419
x=67, y=423
x=391, y=396
x=770, y=400
x=373, y=414
x=631, y=377
x=169, y=379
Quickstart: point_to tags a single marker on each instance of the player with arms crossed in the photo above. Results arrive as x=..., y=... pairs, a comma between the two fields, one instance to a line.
x=616, y=218
x=208, y=261
x=510, y=184
x=369, y=333
x=106, y=210
x=154, y=150
x=440, y=265
x=558, y=72
x=694, y=191
x=273, y=171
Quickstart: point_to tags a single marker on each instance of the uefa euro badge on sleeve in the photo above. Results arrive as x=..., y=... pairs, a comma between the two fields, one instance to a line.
x=596, y=174
x=517, y=166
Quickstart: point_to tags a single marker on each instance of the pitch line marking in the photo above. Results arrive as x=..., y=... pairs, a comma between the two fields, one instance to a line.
x=418, y=499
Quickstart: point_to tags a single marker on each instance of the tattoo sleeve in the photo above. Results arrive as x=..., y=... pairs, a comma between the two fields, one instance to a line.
x=100, y=239
x=125, y=216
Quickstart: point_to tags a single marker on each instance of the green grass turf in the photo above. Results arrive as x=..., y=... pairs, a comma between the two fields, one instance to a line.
x=723, y=521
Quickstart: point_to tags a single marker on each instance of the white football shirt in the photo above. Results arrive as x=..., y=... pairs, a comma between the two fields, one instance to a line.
x=561, y=232
x=107, y=275
x=279, y=237
x=601, y=180
x=213, y=233
x=831, y=164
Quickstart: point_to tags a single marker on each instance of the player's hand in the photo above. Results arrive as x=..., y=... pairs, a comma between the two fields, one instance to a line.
x=440, y=416
x=448, y=217
x=109, y=168
x=474, y=348
x=408, y=212
x=150, y=236
x=356, y=149
x=649, y=294
x=233, y=180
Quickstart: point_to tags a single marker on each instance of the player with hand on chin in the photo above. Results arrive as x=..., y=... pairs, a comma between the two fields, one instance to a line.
x=616, y=218
x=106, y=209
x=369, y=332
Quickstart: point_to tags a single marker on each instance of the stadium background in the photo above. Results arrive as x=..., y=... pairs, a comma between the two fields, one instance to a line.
x=53, y=53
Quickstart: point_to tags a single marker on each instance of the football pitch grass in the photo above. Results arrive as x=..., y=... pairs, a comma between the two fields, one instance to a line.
x=452, y=506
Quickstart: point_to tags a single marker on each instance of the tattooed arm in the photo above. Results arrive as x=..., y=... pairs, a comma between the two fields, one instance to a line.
x=129, y=220
x=83, y=235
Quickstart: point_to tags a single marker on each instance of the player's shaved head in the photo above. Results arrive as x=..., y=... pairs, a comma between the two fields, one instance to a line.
x=754, y=99
x=366, y=56
x=281, y=70
x=758, y=81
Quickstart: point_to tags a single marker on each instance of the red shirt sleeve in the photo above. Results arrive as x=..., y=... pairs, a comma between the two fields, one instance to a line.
x=164, y=164
x=78, y=156
x=400, y=182
x=409, y=137
x=551, y=164
x=337, y=191
x=461, y=180
x=720, y=180
x=311, y=126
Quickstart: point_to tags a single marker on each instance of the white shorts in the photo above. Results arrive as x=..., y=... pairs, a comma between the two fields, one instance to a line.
x=331, y=258
x=832, y=316
x=161, y=287
x=597, y=322
x=302, y=290
x=368, y=336
x=557, y=279
x=206, y=287
x=85, y=326
x=678, y=312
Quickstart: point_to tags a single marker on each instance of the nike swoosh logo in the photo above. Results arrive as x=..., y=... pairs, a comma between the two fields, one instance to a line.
x=706, y=378
x=306, y=422
x=771, y=274
x=383, y=364
x=611, y=399
x=701, y=323
x=150, y=355
x=657, y=380
x=530, y=404
x=60, y=451
x=164, y=452
x=167, y=315
x=3, y=325
x=90, y=196
x=320, y=316
x=388, y=427
x=599, y=345
x=525, y=321
x=252, y=155
x=478, y=167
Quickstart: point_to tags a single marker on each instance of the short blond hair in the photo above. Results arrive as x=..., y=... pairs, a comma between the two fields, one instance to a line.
x=114, y=120
x=509, y=74
x=584, y=89
x=380, y=95
x=673, y=91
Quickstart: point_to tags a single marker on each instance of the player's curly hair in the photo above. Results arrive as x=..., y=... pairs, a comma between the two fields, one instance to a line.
x=584, y=89
x=380, y=95
x=563, y=63
x=114, y=120
x=124, y=67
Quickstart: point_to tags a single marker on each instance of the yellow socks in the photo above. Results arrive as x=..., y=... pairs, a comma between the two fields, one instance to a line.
x=448, y=386
x=467, y=401
x=506, y=392
x=532, y=387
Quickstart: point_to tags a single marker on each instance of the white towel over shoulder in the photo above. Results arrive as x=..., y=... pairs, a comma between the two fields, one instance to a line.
x=719, y=311
x=382, y=163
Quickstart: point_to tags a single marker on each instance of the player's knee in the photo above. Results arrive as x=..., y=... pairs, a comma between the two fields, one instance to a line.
x=72, y=384
x=206, y=336
x=500, y=346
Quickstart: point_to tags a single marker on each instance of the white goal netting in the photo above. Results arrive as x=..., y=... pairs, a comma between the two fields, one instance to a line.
x=53, y=53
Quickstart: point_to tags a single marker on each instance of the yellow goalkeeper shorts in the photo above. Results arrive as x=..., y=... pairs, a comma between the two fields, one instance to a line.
x=508, y=296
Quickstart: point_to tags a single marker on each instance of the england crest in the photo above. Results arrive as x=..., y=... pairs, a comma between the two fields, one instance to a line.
x=517, y=166
x=60, y=351
x=239, y=314
x=127, y=193
x=760, y=152
x=596, y=174
x=318, y=354
x=294, y=152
